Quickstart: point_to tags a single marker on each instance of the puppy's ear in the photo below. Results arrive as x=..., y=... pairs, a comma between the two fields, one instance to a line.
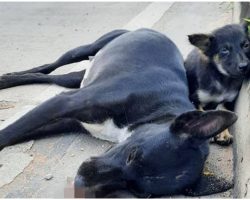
x=203, y=125
x=202, y=41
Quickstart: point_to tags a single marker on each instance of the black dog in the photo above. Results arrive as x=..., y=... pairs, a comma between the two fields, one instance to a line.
x=136, y=92
x=217, y=68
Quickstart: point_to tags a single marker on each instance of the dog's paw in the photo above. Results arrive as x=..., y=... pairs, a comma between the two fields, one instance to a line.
x=224, y=138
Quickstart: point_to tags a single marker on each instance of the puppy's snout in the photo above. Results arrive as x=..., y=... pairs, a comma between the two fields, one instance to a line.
x=243, y=66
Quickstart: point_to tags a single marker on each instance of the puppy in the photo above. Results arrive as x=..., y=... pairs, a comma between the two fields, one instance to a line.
x=216, y=69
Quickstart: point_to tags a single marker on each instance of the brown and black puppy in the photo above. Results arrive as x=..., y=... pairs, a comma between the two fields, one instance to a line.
x=216, y=69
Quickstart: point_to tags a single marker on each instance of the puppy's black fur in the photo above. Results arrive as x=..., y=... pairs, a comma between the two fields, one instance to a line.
x=218, y=66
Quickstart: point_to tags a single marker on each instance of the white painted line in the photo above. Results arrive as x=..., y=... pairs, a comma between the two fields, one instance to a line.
x=149, y=16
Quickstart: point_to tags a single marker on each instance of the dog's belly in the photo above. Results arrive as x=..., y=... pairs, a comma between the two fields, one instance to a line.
x=86, y=74
x=205, y=97
x=108, y=131
x=92, y=59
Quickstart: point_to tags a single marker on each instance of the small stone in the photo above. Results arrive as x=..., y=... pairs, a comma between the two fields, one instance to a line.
x=72, y=155
x=1, y=165
x=82, y=149
x=48, y=177
x=219, y=159
x=31, y=155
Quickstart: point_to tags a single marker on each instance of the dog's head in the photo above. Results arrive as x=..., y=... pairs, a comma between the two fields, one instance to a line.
x=226, y=47
x=158, y=159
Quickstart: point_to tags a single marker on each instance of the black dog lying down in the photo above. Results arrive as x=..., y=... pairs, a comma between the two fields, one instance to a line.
x=136, y=92
x=217, y=68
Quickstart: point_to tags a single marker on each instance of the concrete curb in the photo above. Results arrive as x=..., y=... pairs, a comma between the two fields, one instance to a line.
x=241, y=129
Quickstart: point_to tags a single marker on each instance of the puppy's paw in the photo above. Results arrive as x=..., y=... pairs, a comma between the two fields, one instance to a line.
x=224, y=138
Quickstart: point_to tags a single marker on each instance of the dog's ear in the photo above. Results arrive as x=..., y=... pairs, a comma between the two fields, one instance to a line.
x=202, y=41
x=203, y=125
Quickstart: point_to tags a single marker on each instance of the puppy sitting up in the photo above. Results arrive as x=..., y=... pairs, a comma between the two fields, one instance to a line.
x=216, y=69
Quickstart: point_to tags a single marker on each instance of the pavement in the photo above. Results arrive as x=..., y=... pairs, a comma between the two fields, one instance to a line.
x=32, y=34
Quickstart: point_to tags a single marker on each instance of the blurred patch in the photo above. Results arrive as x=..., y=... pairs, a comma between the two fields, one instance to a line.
x=71, y=192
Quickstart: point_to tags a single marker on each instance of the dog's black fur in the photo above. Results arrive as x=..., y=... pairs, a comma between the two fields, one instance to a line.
x=138, y=80
x=218, y=66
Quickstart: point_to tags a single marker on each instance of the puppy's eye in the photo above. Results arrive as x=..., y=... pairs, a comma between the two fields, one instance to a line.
x=246, y=45
x=224, y=51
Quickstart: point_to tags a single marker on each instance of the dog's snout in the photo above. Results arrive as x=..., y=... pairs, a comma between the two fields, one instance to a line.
x=243, y=67
x=79, y=187
x=79, y=181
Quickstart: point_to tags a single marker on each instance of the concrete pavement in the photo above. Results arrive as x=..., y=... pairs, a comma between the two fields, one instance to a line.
x=36, y=33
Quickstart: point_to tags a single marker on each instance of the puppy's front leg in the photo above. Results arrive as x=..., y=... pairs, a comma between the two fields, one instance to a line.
x=224, y=138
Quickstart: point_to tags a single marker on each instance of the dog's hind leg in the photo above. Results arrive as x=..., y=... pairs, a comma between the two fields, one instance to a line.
x=75, y=55
x=70, y=80
x=49, y=112
x=89, y=104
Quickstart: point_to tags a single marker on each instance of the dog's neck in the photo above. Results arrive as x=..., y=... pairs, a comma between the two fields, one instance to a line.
x=165, y=114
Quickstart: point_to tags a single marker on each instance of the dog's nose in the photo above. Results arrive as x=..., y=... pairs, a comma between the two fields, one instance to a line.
x=79, y=181
x=243, y=67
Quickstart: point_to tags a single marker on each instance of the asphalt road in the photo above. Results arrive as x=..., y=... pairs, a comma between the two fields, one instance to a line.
x=32, y=34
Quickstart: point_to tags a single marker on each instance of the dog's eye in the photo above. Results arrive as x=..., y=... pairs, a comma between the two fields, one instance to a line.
x=246, y=45
x=224, y=51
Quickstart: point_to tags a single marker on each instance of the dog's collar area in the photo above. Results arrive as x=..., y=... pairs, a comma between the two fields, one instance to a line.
x=158, y=120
